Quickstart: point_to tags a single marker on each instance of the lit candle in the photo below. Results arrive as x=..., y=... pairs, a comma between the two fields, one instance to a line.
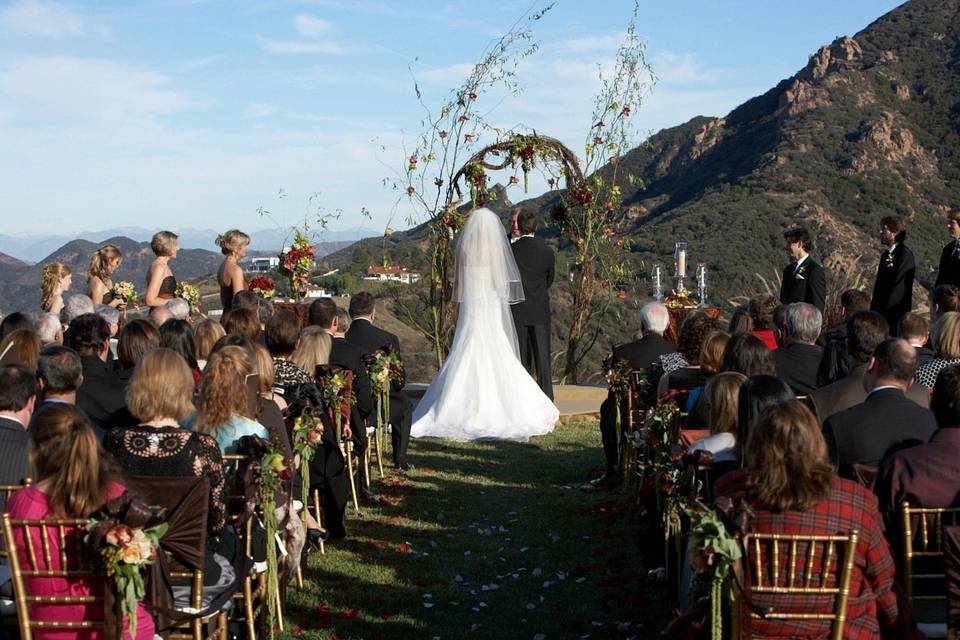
x=681, y=258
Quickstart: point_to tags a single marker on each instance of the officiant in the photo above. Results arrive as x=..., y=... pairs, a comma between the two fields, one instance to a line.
x=803, y=279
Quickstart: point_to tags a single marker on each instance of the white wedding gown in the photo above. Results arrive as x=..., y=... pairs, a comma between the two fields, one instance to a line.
x=482, y=390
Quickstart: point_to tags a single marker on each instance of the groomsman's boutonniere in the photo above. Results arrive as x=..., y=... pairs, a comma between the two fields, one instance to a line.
x=888, y=261
x=798, y=275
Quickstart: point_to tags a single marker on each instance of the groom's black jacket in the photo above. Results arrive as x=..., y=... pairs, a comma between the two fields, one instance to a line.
x=344, y=354
x=535, y=261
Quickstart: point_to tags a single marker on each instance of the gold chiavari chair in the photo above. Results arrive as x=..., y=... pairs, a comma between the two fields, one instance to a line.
x=8, y=612
x=924, y=574
x=38, y=563
x=232, y=470
x=801, y=568
x=631, y=445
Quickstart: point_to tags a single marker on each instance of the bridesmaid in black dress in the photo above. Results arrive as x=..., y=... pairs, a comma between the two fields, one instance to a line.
x=233, y=244
x=103, y=264
x=161, y=283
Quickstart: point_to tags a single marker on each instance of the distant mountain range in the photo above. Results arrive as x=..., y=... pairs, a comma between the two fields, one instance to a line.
x=33, y=248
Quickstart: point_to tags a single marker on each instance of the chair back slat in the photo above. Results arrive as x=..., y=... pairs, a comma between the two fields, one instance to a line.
x=924, y=566
x=766, y=576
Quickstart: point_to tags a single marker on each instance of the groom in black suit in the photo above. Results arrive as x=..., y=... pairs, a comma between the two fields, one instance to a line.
x=803, y=279
x=535, y=260
x=369, y=337
x=893, y=288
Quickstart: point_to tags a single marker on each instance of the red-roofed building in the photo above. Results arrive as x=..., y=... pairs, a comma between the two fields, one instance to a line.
x=391, y=274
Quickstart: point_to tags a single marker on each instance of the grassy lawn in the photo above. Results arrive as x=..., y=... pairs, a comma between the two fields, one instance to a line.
x=486, y=540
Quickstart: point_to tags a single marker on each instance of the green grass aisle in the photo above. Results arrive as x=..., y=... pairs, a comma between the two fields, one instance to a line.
x=486, y=540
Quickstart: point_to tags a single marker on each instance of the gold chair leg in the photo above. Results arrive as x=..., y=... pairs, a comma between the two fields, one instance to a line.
x=318, y=515
x=248, y=607
x=378, y=442
x=366, y=465
x=348, y=446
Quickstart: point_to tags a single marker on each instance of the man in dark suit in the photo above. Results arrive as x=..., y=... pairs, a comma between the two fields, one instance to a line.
x=368, y=337
x=803, y=279
x=641, y=355
x=865, y=331
x=886, y=421
x=101, y=396
x=915, y=329
x=949, y=269
x=893, y=287
x=323, y=313
x=18, y=395
x=798, y=358
x=535, y=260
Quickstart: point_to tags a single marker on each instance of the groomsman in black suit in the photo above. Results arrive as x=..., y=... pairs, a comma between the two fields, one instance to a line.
x=803, y=279
x=323, y=313
x=893, y=288
x=949, y=271
x=535, y=259
x=368, y=337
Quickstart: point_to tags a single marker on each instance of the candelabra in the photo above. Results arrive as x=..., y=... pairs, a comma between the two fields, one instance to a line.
x=656, y=275
x=702, y=283
x=680, y=262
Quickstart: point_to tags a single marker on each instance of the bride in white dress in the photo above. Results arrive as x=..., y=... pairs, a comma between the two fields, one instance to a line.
x=483, y=391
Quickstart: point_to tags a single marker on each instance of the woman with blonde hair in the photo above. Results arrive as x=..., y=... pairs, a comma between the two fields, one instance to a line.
x=227, y=406
x=312, y=350
x=161, y=283
x=945, y=336
x=73, y=480
x=791, y=488
x=233, y=245
x=719, y=402
x=55, y=280
x=103, y=264
x=205, y=335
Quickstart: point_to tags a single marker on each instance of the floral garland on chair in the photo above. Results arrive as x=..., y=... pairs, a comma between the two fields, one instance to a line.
x=385, y=367
x=307, y=434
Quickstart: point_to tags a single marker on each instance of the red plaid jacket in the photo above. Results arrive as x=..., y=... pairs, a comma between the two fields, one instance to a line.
x=872, y=604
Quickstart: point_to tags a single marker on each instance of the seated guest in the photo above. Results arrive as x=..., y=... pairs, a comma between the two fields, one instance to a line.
x=681, y=370
x=791, y=488
x=756, y=394
x=761, y=310
x=111, y=315
x=160, y=314
x=101, y=396
x=74, y=307
x=14, y=321
x=836, y=364
x=243, y=321
x=205, y=335
x=640, y=355
x=18, y=397
x=136, y=338
x=343, y=323
x=943, y=298
x=49, y=329
x=249, y=300
x=915, y=329
x=927, y=474
x=778, y=324
x=711, y=363
x=270, y=405
x=747, y=354
x=313, y=349
x=178, y=335
x=799, y=358
x=72, y=480
x=20, y=347
x=865, y=331
x=886, y=421
x=740, y=322
x=721, y=395
x=59, y=375
x=160, y=396
x=946, y=348
x=179, y=309
x=282, y=336
x=227, y=407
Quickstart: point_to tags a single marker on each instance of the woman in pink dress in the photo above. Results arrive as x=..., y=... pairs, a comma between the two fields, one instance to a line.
x=73, y=481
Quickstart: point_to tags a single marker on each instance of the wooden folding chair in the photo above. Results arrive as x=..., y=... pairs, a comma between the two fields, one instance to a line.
x=45, y=563
x=804, y=569
x=924, y=573
x=233, y=467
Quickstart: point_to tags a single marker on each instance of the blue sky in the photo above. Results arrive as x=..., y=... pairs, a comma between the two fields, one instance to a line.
x=193, y=113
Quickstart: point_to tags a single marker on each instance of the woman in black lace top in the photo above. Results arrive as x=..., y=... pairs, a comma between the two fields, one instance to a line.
x=160, y=396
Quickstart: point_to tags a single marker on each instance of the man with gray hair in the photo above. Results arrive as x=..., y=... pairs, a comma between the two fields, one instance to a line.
x=60, y=374
x=179, y=308
x=798, y=357
x=639, y=355
x=159, y=315
x=74, y=307
x=49, y=329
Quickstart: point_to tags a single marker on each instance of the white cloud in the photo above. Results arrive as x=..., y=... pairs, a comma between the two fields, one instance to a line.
x=681, y=68
x=310, y=26
x=200, y=63
x=302, y=46
x=260, y=110
x=608, y=43
x=42, y=17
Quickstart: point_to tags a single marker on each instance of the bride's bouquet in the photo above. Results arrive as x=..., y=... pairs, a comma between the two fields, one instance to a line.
x=189, y=293
x=125, y=291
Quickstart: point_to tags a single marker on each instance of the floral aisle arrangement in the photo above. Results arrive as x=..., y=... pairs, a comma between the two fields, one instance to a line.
x=269, y=476
x=307, y=434
x=126, y=536
x=189, y=293
x=296, y=262
x=263, y=286
x=126, y=291
x=716, y=552
x=385, y=368
x=336, y=388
